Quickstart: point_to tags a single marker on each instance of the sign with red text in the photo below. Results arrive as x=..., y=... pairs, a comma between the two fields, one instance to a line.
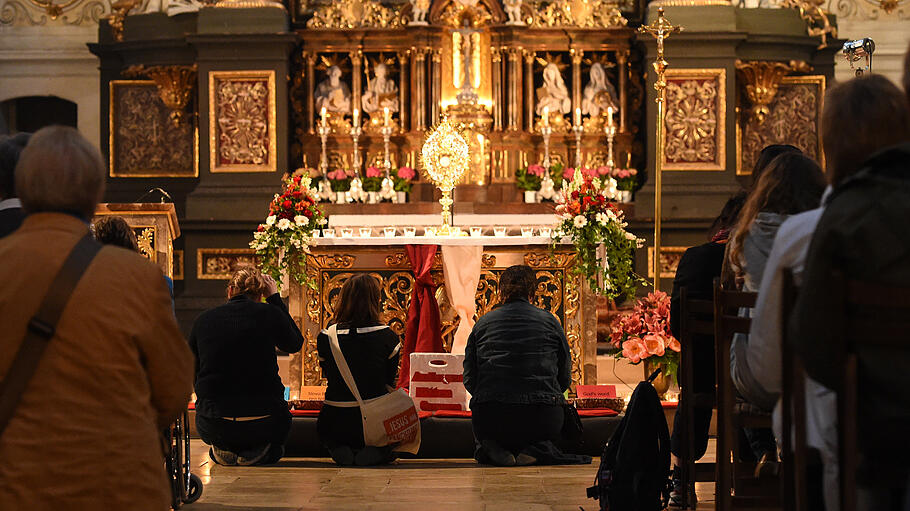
x=595, y=391
x=437, y=382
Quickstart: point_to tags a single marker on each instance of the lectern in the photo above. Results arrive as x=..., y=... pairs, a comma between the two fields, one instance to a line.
x=155, y=226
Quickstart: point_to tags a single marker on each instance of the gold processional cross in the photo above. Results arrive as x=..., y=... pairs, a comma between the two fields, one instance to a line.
x=661, y=29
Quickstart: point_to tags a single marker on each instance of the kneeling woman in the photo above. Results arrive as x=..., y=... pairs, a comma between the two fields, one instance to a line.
x=370, y=349
x=517, y=367
x=240, y=406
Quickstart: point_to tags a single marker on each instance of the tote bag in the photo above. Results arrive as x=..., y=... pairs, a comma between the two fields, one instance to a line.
x=387, y=420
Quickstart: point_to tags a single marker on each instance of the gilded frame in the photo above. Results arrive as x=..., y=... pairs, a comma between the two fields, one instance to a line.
x=113, y=85
x=676, y=252
x=267, y=76
x=720, y=132
x=821, y=82
x=203, y=253
x=177, y=265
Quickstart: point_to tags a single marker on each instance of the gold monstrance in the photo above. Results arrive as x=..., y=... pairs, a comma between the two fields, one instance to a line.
x=445, y=158
x=660, y=29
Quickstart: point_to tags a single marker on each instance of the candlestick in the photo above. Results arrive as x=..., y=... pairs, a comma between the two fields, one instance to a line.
x=609, y=116
x=578, y=116
x=578, y=129
x=322, y=115
x=388, y=187
x=610, y=130
x=545, y=132
x=385, y=116
x=356, y=183
x=356, y=116
x=323, y=131
x=546, y=116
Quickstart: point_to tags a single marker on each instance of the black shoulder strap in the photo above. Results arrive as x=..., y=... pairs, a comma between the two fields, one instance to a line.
x=42, y=326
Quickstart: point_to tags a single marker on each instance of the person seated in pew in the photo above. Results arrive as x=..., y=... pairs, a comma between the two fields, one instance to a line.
x=517, y=368
x=113, y=230
x=371, y=350
x=791, y=184
x=240, y=407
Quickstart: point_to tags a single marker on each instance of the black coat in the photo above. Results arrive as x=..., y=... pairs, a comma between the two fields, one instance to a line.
x=518, y=354
x=864, y=234
x=236, y=364
x=10, y=220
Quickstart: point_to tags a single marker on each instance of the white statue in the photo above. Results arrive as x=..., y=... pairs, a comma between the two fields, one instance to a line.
x=553, y=95
x=171, y=7
x=599, y=94
x=381, y=92
x=513, y=11
x=419, y=9
x=333, y=94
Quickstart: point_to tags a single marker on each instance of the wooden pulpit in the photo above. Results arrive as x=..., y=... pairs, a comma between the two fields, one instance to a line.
x=155, y=226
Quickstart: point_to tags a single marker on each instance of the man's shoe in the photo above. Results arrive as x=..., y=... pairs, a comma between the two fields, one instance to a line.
x=222, y=457
x=497, y=455
x=252, y=456
x=370, y=456
x=768, y=465
x=524, y=459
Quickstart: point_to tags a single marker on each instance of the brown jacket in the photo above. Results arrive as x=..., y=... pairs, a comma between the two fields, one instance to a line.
x=86, y=433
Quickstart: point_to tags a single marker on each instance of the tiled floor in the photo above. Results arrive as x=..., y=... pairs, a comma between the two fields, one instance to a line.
x=425, y=485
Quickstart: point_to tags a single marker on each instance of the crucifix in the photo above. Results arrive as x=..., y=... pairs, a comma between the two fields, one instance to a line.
x=661, y=29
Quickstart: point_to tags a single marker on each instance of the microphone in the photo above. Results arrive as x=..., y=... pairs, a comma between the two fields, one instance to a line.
x=160, y=191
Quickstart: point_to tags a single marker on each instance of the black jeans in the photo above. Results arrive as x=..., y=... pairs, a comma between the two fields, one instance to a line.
x=515, y=427
x=237, y=436
x=702, y=425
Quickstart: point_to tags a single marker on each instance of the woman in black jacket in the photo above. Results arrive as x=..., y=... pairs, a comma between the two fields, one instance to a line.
x=240, y=407
x=370, y=349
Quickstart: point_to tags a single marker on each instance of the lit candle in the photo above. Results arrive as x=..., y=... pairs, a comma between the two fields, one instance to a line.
x=546, y=116
x=323, y=114
x=385, y=116
x=578, y=116
x=356, y=117
x=610, y=116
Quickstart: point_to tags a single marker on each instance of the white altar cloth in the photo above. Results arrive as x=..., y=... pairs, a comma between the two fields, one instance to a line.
x=465, y=220
x=400, y=240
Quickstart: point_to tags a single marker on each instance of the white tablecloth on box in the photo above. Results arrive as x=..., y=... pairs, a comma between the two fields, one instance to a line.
x=465, y=220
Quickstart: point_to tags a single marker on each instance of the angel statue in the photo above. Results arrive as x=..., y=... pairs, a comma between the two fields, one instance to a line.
x=513, y=11
x=419, y=10
x=553, y=95
x=381, y=92
x=333, y=94
x=599, y=94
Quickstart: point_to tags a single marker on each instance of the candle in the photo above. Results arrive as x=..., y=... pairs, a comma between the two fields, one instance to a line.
x=385, y=116
x=356, y=117
x=610, y=116
x=323, y=114
x=546, y=116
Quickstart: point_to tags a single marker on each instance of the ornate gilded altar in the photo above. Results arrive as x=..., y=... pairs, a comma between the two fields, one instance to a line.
x=558, y=290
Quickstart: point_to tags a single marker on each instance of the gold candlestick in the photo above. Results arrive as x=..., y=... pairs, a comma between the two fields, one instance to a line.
x=660, y=29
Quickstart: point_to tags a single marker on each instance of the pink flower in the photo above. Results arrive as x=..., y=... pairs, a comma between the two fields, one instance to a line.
x=592, y=173
x=406, y=173
x=673, y=344
x=569, y=173
x=622, y=174
x=373, y=172
x=634, y=350
x=654, y=344
x=603, y=170
x=536, y=170
x=338, y=175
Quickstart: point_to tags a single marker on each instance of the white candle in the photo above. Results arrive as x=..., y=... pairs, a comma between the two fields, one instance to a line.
x=610, y=116
x=578, y=116
x=546, y=116
x=385, y=116
x=322, y=114
x=356, y=117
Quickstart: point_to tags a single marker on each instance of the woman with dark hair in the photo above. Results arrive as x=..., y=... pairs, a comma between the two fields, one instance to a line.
x=370, y=349
x=113, y=230
x=766, y=155
x=240, y=406
x=517, y=367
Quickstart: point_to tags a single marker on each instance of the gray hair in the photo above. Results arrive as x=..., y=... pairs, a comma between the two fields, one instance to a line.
x=60, y=171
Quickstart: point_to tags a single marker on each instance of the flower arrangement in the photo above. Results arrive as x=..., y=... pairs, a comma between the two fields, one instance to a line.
x=373, y=180
x=282, y=242
x=605, y=250
x=626, y=179
x=404, y=179
x=529, y=178
x=340, y=180
x=644, y=334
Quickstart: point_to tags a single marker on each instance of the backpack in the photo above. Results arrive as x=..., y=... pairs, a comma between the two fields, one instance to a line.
x=635, y=466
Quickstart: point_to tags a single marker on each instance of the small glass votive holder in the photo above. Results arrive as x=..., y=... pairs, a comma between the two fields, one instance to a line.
x=328, y=232
x=366, y=232
x=476, y=232
x=410, y=232
x=389, y=232
x=527, y=232
x=499, y=232
x=429, y=231
x=546, y=232
x=455, y=231
x=315, y=233
x=347, y=232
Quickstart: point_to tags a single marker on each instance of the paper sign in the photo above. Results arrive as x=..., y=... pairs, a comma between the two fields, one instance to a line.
x=596, y=391
x=312, y=393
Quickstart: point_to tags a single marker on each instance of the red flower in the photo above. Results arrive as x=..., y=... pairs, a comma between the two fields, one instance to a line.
x=297, y=180
x=307, y=213
x=286, y=204
x=297, y=194
x=300, y=206
x=260, y=228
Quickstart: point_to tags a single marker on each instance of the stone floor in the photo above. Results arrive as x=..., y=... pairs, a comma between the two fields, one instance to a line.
x=424, y=485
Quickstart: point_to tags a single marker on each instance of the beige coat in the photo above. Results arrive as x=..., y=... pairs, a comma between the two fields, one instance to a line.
x=86, y=433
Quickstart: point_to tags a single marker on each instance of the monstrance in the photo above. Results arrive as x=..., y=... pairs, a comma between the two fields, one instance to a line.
x=445, y=158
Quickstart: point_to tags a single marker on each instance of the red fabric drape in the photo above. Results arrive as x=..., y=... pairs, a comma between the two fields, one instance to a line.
x=423, y=329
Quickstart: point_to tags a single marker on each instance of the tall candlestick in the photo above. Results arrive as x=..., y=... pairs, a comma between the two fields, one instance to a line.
x=546, y=116
x=578, y=116
x=609, y=116
x=385, y=116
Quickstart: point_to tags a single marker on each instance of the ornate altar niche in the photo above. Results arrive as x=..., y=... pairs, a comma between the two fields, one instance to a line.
x=490, y=68
x=558, y=291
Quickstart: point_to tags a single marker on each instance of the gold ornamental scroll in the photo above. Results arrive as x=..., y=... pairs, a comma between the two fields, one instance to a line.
x=558, y=290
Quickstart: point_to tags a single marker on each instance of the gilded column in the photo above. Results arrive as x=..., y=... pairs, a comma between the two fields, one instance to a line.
x=515, y=105
x=497, y=88
x=529, y=90
x=403, y=63
x=310, y=58
x=435, y=86
x=419, y=93
x=622, y=60
x=576, y=79
x=357, y=81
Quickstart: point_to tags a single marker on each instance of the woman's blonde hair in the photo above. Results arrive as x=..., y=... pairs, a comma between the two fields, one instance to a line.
x=59, y=170
x=247, y=280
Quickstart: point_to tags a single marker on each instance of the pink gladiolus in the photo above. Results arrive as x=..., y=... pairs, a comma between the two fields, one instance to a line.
x=654, y=344
x=634, y=350
x=406, y=173
x=673, y=344
x=536, y=170
x=373, y=172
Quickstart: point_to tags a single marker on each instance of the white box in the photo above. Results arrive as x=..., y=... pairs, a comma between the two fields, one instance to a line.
x=437, y=382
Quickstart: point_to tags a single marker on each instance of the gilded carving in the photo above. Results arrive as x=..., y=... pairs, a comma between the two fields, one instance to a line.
x=242, y=127
x=143, y=140
x=869, y=9
x=398, y=260
x=176, y=85
x=793, y=118
x=488, y=260
x=695, y=120
x=669, y=260
x=354, y=14
x=547, y=260
x=761, y=80
x=177, y=269
x=576, y=13
x=573, y=335
x=221, y=263
x=817, y=22
x=454, y=14
x=145, y=237
x=332, y=260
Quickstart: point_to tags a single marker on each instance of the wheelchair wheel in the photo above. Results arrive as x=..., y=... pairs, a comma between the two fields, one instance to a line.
x=195, y=489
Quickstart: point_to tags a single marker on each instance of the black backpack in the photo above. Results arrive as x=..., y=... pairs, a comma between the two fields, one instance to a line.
x=635, y=465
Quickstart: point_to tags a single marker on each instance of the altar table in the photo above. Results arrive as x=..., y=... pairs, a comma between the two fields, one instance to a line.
x=334, y=260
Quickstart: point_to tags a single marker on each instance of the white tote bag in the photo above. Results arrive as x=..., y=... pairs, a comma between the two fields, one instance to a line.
x=387, y=420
